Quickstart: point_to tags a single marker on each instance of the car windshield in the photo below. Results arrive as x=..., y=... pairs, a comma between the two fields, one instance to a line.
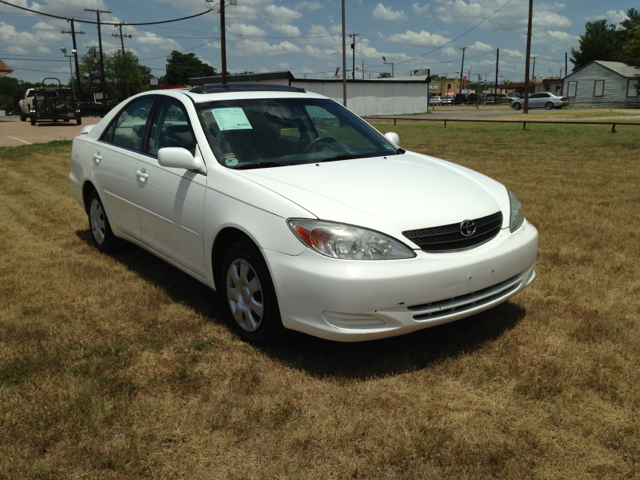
x=260, y=133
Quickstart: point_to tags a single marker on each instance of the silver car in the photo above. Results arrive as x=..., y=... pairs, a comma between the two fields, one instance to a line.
x=542, y=100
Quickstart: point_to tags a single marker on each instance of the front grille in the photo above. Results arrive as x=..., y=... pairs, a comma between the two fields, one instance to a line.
x=448, y=238
x=457, y=305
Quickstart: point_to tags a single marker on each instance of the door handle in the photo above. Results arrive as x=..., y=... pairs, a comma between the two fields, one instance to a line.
x=142, y=175
x=97, y=158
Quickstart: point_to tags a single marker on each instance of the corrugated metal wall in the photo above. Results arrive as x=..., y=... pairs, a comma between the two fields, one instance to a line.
x=615, y=87
x=374, y=98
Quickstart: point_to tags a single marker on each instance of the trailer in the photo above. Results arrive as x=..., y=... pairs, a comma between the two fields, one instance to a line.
x=51, y=104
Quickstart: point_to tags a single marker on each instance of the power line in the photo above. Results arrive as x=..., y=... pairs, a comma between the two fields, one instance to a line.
x=105, y=23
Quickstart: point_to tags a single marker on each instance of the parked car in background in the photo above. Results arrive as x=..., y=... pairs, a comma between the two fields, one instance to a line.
x=474, y=98
x=545, y=100
x=299, y=214
x=447, y=99
x=93, y=109
x=501, y=98
x=26, y=103
x=435, y=100
x=460, y=99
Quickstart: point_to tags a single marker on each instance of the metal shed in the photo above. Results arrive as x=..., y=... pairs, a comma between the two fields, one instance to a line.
x=613, y=84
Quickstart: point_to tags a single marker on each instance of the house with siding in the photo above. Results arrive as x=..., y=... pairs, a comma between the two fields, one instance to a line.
x=602, y=83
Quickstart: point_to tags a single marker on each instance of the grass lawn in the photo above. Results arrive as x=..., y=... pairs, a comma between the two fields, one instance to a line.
x=119, y=366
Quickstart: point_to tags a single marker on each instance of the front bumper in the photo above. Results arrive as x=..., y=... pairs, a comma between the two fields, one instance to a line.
x=353, y=301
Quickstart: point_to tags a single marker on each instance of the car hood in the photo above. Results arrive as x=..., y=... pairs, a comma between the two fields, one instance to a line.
x=389, y=194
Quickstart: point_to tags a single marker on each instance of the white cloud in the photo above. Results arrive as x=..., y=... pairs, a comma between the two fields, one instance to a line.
x=386, y=13
x=242, y=29
x=43, y=50
x=312, y=6
x=17, y=51
x=284, y=65
x=481, y=47
x=289, y=30
x=260, y=47
x=150, y=38
x=423, y=39
x=617, y=17
x=506, y=18
x=282, y=14
x=420, y=10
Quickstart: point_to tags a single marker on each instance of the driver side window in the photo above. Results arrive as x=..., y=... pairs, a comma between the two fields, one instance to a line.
x=170, y=128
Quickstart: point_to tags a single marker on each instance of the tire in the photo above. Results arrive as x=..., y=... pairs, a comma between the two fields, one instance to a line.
x=517, y=106
x=33, y=121
x=78, y=121
x=248, y=294
x=101, y=233
x=23, y=118
x=548, y=105
x=66, y=120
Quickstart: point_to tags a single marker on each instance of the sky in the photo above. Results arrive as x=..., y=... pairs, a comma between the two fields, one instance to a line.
x=305, y=37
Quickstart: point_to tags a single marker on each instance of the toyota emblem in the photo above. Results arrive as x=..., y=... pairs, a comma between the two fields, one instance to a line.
x=468, y=228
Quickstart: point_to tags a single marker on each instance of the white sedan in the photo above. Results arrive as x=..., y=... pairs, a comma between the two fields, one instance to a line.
x=299, y=214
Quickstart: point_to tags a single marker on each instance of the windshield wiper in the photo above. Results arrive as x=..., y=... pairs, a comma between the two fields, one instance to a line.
x=246, y=166
x=340, y=157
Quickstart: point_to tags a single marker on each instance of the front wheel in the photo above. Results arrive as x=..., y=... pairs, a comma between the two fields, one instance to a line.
x=249, y=296
x=549, y=105
x=517, y=106
x=101, y=233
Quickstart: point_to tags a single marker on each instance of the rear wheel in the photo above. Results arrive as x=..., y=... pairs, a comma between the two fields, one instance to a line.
x=517, y=106
x=249, y=296
x=33, y=120
x=549, y=105
x=101, y=234
x=78, y=121
x=23, y=118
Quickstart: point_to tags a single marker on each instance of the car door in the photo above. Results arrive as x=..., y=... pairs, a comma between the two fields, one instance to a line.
x=171, y=200
x=536, y=100
x=114, y=164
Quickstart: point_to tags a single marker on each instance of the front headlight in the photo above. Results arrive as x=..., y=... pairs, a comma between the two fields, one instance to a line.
x=347, y=242
x=517, y=217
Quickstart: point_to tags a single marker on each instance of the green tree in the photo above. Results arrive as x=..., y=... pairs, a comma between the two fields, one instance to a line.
x=11, y=92
x=180, y=68
x=114, y=71
x=115, y=79
x=384, y=75
x=599, y=42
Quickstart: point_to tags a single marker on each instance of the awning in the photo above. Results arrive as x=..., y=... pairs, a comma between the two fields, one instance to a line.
x=4, y=70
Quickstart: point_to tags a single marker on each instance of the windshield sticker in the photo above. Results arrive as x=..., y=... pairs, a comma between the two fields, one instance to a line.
x=232, y=118
x=230, y=159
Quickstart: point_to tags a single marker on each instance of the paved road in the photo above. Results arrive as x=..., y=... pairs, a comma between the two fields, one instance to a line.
x=14, y=133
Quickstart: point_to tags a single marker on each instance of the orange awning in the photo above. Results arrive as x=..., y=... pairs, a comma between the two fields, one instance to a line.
x=4, y=70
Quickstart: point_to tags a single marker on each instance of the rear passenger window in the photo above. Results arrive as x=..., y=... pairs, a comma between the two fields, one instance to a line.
x=128, y=129
x=170, y=128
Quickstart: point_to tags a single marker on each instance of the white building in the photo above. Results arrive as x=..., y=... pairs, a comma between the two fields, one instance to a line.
x=384, y=96
x=603, y=83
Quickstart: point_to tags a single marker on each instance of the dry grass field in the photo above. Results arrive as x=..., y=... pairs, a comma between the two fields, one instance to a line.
x=119, y=366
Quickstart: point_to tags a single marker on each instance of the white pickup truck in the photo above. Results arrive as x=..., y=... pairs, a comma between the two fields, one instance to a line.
x=26, y=103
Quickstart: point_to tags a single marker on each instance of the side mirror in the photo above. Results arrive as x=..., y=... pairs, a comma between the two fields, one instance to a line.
x=393, y=138
x=178, y=157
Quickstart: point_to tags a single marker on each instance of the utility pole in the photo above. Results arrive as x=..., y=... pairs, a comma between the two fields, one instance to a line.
x=566, y=72
x=495, y=87
x=104, y=89
x=462, y=68
x=344, y=60
x=223, y=43
x=526, y=73
x=73, y=37
x=353, y=47
x=533, y=74
x=363, y=69
x=124, y=56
